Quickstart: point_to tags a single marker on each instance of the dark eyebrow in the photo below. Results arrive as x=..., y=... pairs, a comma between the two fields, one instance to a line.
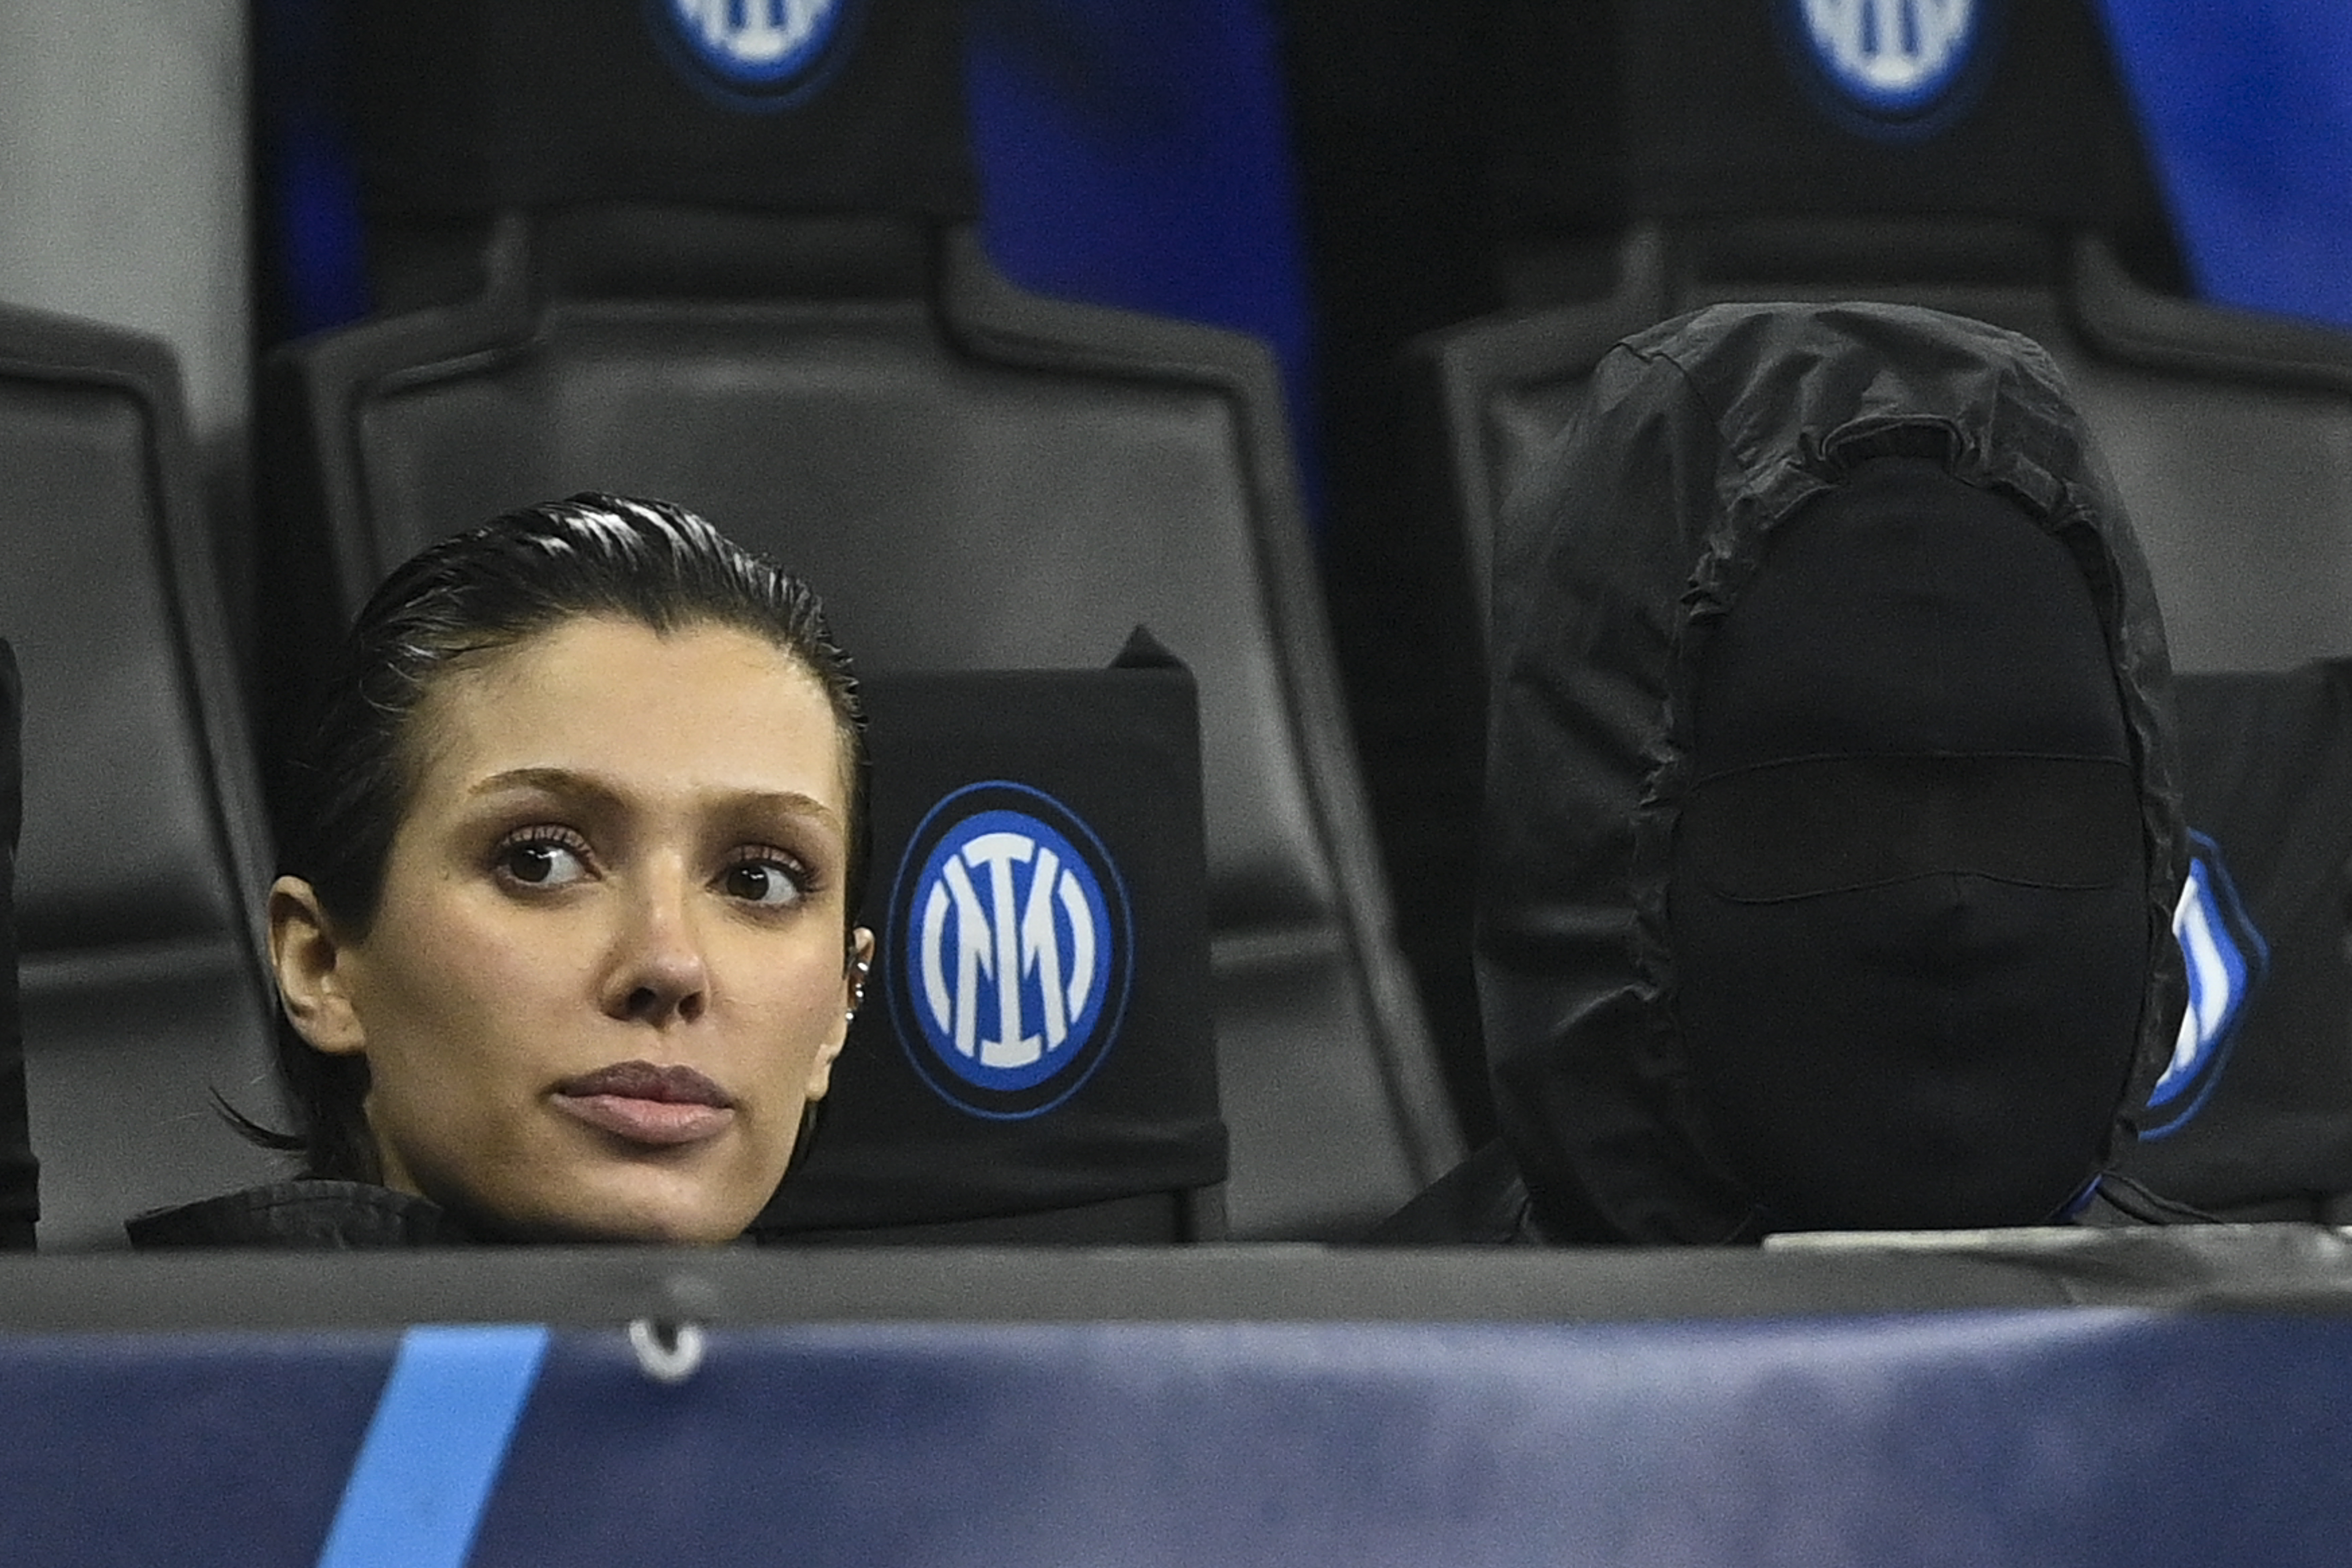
x=587, y=786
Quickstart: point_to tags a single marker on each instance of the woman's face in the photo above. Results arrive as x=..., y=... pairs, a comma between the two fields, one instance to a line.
x=608, y=972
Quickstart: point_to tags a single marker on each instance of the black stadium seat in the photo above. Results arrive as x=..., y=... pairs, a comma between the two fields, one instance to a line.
x=2020, y=198
x=1034, y=830
x=783, y=320
x=2253, y=1121
x=144, y=861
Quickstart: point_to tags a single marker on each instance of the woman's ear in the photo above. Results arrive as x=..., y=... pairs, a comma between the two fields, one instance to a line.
x=307, y=955
x=853, y=993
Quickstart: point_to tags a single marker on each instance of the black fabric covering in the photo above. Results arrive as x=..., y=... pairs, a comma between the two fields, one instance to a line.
x=468, y=106
x=19, y=1170
x=1642, y=528
x=1915, y=682
x=1933, y=1028
x=1482, y=1200
x=1905, y=613
x=319, y=1216
x=2267, y=763
x=1121, y=749
x=1828, y=824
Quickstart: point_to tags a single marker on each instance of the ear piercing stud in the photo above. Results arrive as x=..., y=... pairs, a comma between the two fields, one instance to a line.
x=857, y=992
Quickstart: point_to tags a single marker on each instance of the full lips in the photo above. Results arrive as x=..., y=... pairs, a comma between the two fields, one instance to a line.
x=645, y=1104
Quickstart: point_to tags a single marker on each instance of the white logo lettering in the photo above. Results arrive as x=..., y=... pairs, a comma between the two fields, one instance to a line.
x=1892, y=47
x=1007, y=933
x=755, y=32
x=2211, y=987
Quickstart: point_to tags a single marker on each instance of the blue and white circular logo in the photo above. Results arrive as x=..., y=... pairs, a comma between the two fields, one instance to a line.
x=2226, y=958
x=1895, y=62
x=1011, y=948
x=761, y=53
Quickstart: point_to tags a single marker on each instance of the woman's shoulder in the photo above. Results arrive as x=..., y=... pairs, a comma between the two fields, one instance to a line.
x=303, y=1213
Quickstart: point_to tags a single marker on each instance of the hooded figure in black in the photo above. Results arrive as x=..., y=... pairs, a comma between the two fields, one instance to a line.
x=1832, y=832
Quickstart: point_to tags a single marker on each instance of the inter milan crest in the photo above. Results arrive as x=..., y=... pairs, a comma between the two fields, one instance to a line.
x=755, y=53
x=1011, y=949
x=2226, y=958
x=1889, y=68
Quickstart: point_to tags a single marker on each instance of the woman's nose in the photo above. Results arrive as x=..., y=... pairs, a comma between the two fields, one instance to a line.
x=660, y=971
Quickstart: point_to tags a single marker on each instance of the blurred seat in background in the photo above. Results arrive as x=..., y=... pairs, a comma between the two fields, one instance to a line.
x=622, y=250
x=142, y=860
x=1987, y=165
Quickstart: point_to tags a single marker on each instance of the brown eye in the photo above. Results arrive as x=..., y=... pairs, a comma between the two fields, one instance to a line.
x=773, y=884
x=541, y=863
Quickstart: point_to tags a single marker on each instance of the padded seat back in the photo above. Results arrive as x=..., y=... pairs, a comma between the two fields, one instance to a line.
x=974, y=477
x=2012, y=187
x=2253, y=1121
x=141, y=867
x=1034, y=1059
x=2229, y=435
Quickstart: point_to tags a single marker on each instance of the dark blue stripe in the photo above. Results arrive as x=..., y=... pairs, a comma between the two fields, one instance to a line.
x=433, y=1449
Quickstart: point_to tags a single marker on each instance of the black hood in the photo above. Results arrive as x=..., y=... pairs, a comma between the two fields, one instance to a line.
x=1633, y=538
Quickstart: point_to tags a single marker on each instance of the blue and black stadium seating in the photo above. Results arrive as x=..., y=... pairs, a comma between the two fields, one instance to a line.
x=779, y=315
x=2018, y=197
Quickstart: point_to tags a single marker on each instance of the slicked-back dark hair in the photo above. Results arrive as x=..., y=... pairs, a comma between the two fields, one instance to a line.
x=478, y=593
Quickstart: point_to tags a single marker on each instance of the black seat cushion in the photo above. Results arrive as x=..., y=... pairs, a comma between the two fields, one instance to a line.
x=2255, y=1118
x=1026, y=1046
